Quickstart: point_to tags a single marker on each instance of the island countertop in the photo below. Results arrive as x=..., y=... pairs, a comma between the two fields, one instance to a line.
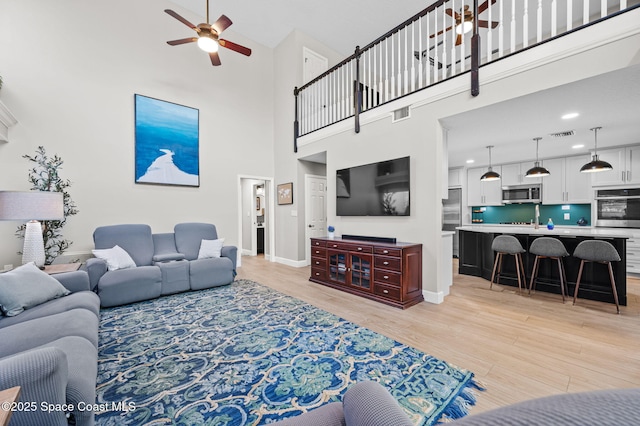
x=560, y=231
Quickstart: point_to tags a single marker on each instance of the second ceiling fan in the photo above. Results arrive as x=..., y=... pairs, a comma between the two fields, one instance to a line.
x=208, y=38
x=464, y=20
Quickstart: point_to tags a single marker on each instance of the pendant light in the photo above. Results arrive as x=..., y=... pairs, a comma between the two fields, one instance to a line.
x=490, y=175
x=596, y=165
x=536, y=170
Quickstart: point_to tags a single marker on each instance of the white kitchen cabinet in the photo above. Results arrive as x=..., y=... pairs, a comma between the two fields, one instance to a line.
x=456, y=177
x=514, y=174
x=626, y=166
x=481, y=193
x=565, y=183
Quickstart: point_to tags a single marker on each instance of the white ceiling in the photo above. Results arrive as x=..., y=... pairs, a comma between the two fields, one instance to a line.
x=609, y=101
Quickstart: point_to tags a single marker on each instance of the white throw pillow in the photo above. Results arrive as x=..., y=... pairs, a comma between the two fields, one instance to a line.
x=116, y=258
x=25, y=287
x=210, y=248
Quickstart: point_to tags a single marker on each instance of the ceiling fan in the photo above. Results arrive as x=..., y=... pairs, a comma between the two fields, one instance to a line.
x=464, y=20
x=208, y=38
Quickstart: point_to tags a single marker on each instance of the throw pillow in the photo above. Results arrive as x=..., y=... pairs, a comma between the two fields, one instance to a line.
x=210, y=248
x=116, y=258
x=27, y=286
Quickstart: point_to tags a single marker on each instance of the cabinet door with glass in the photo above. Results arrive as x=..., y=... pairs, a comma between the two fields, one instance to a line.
x=350, y=269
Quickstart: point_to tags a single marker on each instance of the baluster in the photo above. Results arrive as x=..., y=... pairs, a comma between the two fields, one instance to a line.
x=370, y=80
x=623, y=4
x=406, y=60
x=501, y=30
x=489, y=54
x=525, y=24
x=603, y=8
x=413, y=63
x=444, y=49
x=420, y=68
x=453, y=41
x=539, y=22
x=399, y=65
x=427, y=65
x=569, y=15
x=554, y=18
x=386, y=72
x=585, y=12
x=513, y=26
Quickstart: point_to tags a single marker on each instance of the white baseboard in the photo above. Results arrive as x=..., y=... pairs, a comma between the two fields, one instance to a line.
x=433, y=297
x=289, y=262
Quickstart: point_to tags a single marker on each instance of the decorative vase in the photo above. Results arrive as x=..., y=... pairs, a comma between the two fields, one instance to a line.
x=550, y=224
x=330, y=234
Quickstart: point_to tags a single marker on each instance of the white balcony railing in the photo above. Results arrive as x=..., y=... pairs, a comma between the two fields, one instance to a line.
x=435, y=45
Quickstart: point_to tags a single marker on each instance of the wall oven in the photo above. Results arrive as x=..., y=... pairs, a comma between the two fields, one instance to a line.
x=618, y=207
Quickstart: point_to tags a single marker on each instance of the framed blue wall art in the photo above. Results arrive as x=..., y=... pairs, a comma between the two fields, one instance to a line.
x=167, y=143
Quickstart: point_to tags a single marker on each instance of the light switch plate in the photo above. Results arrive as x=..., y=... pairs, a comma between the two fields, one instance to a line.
x=567, y=216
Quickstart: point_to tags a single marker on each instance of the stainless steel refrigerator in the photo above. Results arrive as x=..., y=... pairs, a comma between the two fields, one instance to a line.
x=452, y=215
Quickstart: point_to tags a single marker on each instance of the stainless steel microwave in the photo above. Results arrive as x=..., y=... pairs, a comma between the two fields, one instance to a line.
x=522, y=194
x=618, y=207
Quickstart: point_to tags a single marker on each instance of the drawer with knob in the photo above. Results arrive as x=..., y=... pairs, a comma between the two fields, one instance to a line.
x=318, y=243
x=389, y=263
x=318, y=262
x=387, y=277
x=386, y=291
x=387, y=251
x=318, y=252
x=319, y=273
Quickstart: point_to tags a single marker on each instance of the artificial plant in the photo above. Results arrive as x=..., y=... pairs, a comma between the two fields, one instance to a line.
x=44, y=176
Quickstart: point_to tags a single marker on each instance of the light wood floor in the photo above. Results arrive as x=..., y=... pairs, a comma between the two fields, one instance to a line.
x=520, y=347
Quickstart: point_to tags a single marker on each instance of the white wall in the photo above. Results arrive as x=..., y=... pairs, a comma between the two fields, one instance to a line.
x=70, y=71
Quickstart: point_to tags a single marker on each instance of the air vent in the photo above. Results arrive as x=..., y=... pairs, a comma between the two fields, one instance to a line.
x=400, y=114
x=563, y=134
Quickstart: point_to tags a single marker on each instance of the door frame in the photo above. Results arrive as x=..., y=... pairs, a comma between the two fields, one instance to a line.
x=270, y=210
x=307, y=214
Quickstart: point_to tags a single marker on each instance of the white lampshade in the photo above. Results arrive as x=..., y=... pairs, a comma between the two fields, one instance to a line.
x=23, y=206
x=207, y=43
x=28, y=206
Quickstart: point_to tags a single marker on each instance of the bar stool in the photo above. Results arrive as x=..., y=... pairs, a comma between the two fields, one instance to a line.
x=601, y=252
x=507, y=244
x=548, y=248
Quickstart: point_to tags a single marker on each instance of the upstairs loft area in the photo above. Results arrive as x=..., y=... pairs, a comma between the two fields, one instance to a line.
x=447, y=39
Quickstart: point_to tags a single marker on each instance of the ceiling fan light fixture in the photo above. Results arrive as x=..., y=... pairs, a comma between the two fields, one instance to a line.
x=596, y=165
x=207, y=43
x=464, y=27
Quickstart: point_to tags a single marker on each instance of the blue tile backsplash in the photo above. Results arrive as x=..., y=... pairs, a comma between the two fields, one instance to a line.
x=526, y=213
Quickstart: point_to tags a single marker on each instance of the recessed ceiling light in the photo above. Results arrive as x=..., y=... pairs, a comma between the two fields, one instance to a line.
x=471, y=161
x=570, y=115
x=578, y=146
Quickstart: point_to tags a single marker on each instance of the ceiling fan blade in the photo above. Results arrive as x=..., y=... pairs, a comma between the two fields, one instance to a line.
x=215, y=59
x=484, y=6
x=235, y=47
x=181, y=19
x=221, y=24
x=182, y=41
x=451, y=13
x=440, y=32
x=459, y=40
x=485, y=24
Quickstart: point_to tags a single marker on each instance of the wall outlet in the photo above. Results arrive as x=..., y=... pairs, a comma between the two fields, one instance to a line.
x=567, y=216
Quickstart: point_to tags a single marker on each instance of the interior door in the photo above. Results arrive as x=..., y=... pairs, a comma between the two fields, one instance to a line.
x=315, y=209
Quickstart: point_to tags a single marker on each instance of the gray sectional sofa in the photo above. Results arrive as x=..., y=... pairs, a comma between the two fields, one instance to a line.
x=51, y=351
x=165, y=263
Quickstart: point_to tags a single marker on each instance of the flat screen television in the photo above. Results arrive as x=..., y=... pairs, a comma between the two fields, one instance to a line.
x=376, y=189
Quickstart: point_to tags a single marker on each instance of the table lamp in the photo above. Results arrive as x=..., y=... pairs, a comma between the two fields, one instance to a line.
x=31, y=206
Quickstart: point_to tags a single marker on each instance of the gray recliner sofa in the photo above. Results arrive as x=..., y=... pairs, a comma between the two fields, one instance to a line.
x=166, y=263
x=51, y=352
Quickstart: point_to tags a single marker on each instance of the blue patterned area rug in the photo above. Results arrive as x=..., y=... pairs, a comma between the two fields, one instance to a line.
x=245, y=354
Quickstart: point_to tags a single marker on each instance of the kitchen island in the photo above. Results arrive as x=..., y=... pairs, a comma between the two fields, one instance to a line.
x=476, y=258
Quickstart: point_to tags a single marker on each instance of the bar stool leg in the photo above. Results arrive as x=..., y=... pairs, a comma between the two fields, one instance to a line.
x=575, y=293
x=516, y=257
x=534, y=273
x=613, y=287
x=561, y=278
x=493, y=273
x=524, y=276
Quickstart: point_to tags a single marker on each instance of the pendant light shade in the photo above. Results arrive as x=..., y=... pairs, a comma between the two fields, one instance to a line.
x=537, y=170
x=490, y=174
x=596, y=165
